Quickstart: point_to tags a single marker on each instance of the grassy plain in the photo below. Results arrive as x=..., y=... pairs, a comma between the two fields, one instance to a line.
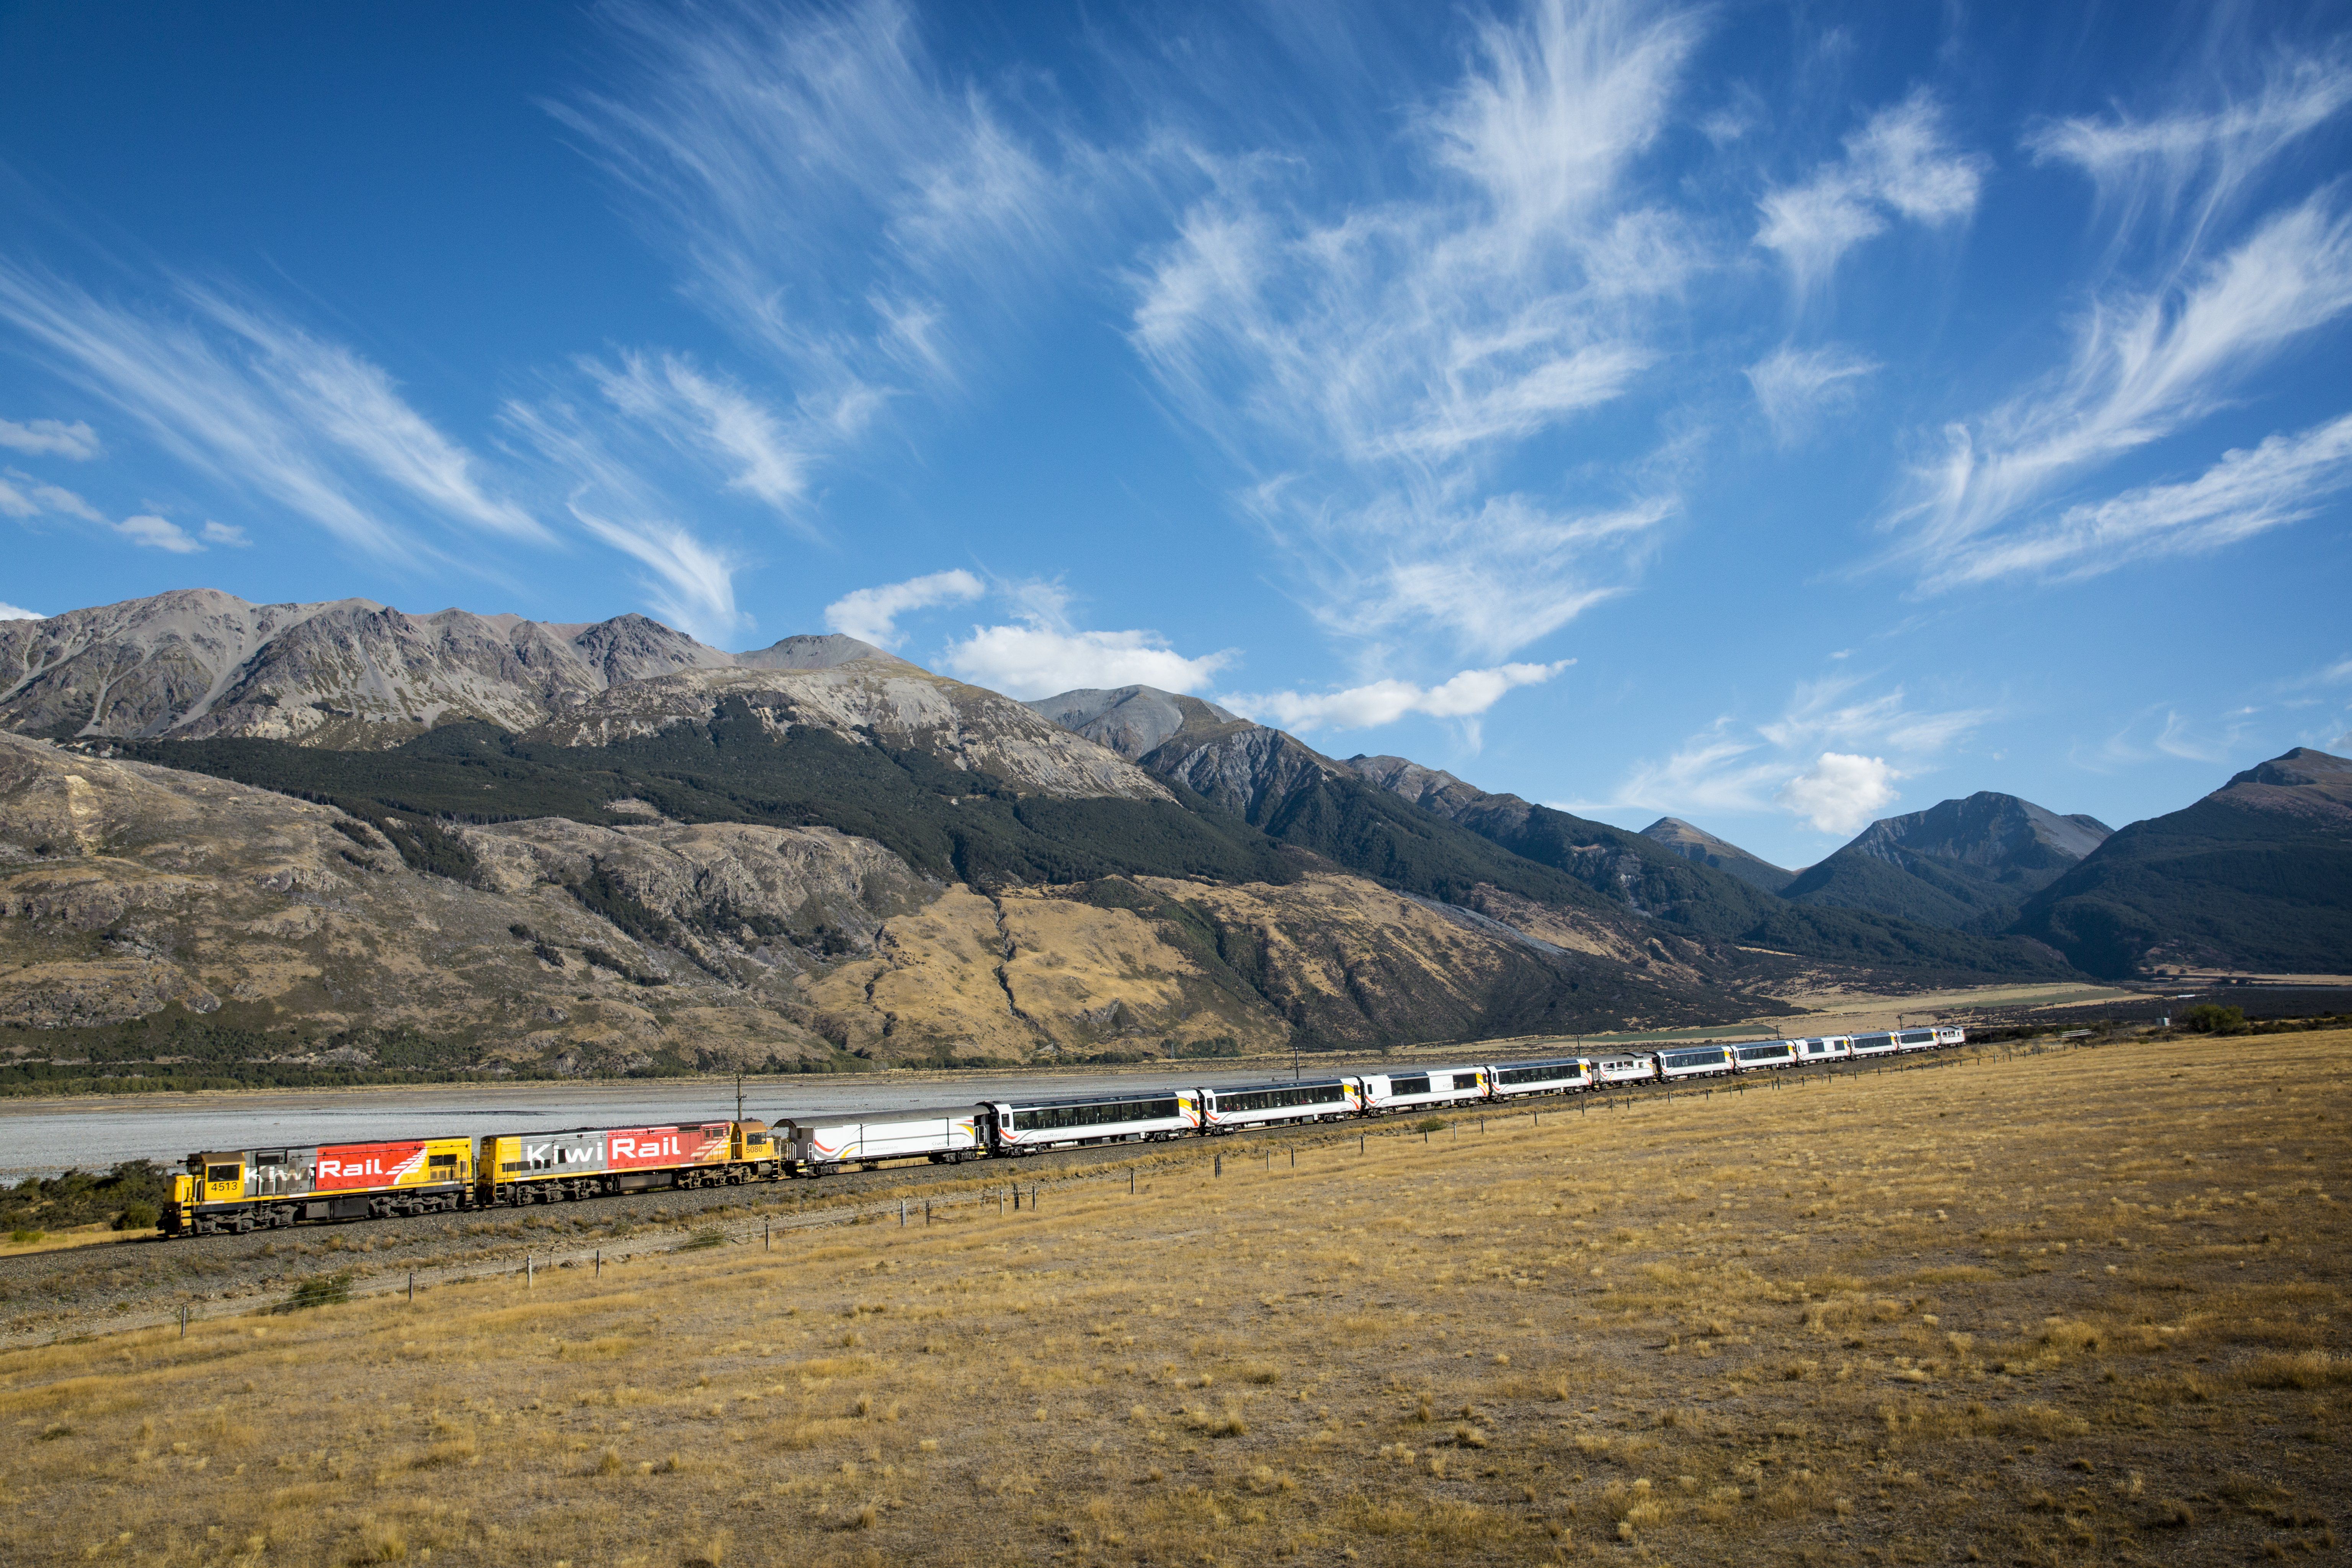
x=2071, y=1308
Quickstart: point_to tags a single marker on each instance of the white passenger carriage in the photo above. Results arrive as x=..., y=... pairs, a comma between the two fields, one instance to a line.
x=1950, y=1035
x=1635, y=1068
x=1764, y=1055
x=1914, y=1039
x=1266, y=1105
x=1027, y=1126
x=1388, y=1092
x=1696, y=1061
x=1878, y=1045
x=817, y=1144
x=1822, y=1048
x=1567, y=1075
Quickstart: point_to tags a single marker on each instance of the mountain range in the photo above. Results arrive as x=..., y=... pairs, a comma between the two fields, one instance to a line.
x=331, y=836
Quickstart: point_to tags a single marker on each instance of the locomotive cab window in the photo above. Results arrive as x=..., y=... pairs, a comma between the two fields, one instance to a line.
x=223, y=1172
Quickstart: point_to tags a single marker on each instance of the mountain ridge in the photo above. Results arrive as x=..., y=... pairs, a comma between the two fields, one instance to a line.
x=1967, y=863
x=2255, y=876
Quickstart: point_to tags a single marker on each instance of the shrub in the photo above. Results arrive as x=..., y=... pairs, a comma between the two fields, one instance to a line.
x=703, y=1238
x=2211, y=1018
x=136, y=1216
x=318, y=1291
x=21, y=1235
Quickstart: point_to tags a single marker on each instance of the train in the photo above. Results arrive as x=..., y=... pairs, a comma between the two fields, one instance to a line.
x=241, y=1191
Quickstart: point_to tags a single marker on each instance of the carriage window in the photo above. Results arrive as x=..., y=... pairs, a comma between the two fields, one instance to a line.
x=1418, y=1085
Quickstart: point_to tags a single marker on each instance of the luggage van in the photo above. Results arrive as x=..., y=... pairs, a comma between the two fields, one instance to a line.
x=816, y=1145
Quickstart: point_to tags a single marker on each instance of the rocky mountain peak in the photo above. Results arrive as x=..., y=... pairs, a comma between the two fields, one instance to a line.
x=828, y=652
x=1132, y=720
x=1696, y=844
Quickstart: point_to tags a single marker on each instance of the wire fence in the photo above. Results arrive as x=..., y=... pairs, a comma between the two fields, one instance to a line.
x=1008, y=1196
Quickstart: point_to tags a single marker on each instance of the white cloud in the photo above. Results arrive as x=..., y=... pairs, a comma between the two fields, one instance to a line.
x=35, y=500
x=50, y=437
x=1466, y=696
x=2281, y=482
x=1795, y=386
x=224, y=533
x=693, y=583
x=1899, y=166
x=871, y=615
x=1373, y=367
x=9, y=612
x=2142, y=368
x=261, y=405
x=157, y=533
x=1040, y=660
x=56, y=500
x=1733, y=767
x=1841, y=792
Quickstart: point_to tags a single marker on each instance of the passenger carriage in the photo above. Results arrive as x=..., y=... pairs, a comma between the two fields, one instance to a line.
x=1637, y=1068
x=1762, y=1056
x=1878, y=1045
x=817, y=1145
x=1565, y=1075
x=1914, y=1039
x=1949, y=1035
x=1822, y=1048
x=1267, y=1105
x=1696, y=1061
x=1027, y=1126
x=1383, y=1092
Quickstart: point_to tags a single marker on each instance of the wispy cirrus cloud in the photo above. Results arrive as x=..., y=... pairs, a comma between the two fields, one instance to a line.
x=2283, y=481
x=2159, y=346
x=260, y=404
x=830, y=193
x=753, y=449
x=1795, y=387
x=2188, y=163
x=1375, y=366
x=1900, y=166
x=691, y=585
x=2143, y=367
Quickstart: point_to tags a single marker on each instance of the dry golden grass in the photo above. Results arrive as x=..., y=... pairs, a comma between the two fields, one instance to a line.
x=2071, y=1309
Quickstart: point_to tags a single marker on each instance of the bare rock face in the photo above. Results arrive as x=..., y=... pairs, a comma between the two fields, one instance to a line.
x=351, y=673
x=354, y=676
x=868, y=698
x=1133, y=721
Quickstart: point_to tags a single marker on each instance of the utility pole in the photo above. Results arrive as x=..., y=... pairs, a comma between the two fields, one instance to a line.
x=739, y=1097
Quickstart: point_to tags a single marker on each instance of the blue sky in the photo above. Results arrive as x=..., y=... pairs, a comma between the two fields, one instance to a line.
x=1776, y=416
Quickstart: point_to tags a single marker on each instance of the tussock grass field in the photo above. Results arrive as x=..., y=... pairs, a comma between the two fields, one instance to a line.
x=2070, y=1308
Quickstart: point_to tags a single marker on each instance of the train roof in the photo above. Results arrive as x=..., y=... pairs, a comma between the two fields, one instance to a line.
x=847, y=1118
x=1163, y=1092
